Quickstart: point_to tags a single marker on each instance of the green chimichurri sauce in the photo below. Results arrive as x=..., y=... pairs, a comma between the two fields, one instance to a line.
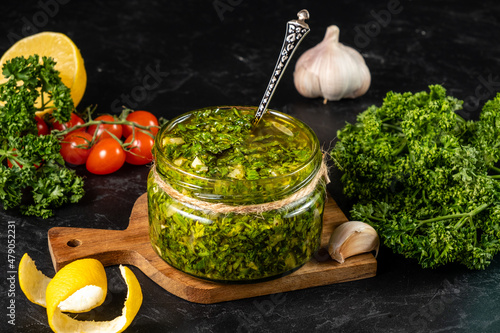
x=220, y=144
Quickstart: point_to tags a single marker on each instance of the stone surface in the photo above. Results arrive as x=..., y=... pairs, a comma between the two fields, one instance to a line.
x=171, y=57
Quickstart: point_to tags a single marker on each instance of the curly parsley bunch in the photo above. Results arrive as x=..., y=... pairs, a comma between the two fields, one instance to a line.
x=33, y=177
x=425, y=178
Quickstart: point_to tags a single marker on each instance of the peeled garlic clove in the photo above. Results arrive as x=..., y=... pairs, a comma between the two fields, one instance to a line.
x=331, y=70
x=351, y=238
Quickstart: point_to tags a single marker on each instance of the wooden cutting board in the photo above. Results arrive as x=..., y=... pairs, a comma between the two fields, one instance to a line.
x=132, y=247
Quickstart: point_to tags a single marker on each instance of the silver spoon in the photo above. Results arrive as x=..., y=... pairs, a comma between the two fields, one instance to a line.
x=296, y=30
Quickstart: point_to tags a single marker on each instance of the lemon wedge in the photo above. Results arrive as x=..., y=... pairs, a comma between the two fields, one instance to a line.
x=69, y=61
x=78, y=287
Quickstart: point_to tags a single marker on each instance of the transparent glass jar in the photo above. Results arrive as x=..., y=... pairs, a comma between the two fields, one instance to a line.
x=234, y=246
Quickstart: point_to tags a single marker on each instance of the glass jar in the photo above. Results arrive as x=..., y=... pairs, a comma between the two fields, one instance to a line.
x=236, y=229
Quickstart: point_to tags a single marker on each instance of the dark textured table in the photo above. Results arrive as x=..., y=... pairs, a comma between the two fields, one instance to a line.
x=171, y=57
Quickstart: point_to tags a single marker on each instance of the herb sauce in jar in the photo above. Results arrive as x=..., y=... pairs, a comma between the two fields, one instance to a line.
x=231, y=203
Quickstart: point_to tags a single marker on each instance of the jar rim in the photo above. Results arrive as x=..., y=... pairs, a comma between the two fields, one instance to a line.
x=310, y=134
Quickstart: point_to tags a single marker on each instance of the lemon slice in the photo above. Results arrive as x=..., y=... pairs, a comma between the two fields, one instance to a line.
x=78, y=287
x=69, y=61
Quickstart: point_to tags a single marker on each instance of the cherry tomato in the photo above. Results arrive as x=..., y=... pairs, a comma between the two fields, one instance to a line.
x=41, y=126
x=141, y=152
x=75, y=147
x=107, y=156
x=143, y=118
x=103, y=130
x=73, y=121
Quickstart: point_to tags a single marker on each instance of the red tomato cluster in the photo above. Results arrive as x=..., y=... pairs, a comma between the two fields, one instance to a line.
x=97, y=146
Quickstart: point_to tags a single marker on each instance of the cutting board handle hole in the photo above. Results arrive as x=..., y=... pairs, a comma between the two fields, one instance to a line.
x=74, y=243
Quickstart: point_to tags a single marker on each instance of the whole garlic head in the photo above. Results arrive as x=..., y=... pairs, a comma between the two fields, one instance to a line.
x=331, y=70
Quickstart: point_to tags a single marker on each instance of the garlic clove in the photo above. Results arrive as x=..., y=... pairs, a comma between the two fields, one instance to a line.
x=352, y=238
x=331, y=70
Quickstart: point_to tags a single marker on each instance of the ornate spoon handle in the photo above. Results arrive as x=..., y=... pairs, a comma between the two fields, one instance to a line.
x=296, y=30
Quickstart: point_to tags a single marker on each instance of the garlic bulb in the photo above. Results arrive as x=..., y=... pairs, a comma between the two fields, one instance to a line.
x=351, y=238
x=331, y=70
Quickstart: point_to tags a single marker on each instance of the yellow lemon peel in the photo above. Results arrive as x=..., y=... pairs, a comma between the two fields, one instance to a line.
x=62, y=49
x=33, y=282
x=78, y=287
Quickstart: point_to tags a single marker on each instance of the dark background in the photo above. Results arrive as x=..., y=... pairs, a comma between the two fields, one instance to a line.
x=221, y=53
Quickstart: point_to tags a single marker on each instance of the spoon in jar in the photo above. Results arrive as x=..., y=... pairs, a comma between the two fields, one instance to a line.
x=296, y=30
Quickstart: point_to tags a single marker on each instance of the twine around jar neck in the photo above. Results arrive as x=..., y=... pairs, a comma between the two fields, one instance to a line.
x=321, y=175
